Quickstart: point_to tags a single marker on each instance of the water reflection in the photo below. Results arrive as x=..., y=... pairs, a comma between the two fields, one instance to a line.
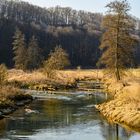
x=63, y=117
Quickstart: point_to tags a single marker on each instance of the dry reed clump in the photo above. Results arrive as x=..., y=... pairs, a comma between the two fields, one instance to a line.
x=7, y=91
x=12, y=94
x=125, y=107
x=124, y=111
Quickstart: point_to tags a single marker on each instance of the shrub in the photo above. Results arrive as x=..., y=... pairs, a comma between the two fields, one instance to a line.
x=57, y=60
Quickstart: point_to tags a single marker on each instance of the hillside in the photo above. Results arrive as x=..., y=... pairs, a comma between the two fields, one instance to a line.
x=78, y=32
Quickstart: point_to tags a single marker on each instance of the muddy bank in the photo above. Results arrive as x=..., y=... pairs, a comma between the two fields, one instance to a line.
x=10, y=108
x=45, y=85
x=11, y=99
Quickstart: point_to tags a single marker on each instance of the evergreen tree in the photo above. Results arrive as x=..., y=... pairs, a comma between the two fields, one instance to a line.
x=34, y=56
x=57, y=61
x=19, y=50
x=117, y=41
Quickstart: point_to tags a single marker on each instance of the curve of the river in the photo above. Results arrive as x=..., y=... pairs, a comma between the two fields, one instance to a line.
x=68, y=116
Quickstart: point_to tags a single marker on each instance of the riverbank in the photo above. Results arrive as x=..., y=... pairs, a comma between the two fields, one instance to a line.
x=11, y=95
x=36, y=80
x=11, y=98
x=124, y=108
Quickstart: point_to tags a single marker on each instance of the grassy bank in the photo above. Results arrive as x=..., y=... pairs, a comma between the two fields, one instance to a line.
x=125, y=107
x=11, y=98
x=66, y=79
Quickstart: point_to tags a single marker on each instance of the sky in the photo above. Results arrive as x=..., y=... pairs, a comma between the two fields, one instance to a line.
x=87, y=5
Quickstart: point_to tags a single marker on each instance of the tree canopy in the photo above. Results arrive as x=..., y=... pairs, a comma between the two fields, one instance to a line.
x=34, y=55
x=118, y=41
x=19, y=49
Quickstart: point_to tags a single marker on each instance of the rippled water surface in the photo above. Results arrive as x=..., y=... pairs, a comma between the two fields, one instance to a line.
x=62, y=117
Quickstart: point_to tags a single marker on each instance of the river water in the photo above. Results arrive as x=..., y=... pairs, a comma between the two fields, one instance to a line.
x=65, y=116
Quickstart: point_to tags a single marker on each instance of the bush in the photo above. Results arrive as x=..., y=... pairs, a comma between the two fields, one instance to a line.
x=58, y=60
x=3, y=74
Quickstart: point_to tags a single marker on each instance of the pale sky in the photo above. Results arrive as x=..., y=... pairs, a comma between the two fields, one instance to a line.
x=88, y=5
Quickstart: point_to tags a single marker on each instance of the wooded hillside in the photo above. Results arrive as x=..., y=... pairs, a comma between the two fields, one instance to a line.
x=78, y=32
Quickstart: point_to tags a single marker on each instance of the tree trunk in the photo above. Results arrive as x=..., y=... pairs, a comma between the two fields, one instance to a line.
x=117, y=74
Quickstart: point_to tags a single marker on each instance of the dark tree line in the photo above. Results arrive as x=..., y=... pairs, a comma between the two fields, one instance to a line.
x=78, y=32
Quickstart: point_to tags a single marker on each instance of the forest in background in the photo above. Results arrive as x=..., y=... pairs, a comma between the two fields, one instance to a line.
x=78, y=32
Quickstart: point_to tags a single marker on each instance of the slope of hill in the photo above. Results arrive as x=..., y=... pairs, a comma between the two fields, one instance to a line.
x=78, y=32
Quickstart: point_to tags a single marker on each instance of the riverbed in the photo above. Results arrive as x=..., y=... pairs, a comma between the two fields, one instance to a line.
x=64, y=116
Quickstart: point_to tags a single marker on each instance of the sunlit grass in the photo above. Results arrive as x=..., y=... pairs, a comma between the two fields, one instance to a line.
x=64, y=77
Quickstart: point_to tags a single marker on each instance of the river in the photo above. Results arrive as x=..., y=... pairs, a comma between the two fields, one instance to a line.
x=60, y=116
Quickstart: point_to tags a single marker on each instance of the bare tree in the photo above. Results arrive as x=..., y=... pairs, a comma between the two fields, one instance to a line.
x=57, y=61
x=117, y=41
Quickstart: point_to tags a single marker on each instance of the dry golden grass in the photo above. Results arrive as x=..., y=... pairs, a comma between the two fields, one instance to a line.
x=66, y=76
x=124, y=111
x=20, y=75
x=7, y=91
x=10, y=98
x=10, y=95
x=82, y=74
x=69, y=76
x=125, y=107
x=135, y=72
x=129, y=83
